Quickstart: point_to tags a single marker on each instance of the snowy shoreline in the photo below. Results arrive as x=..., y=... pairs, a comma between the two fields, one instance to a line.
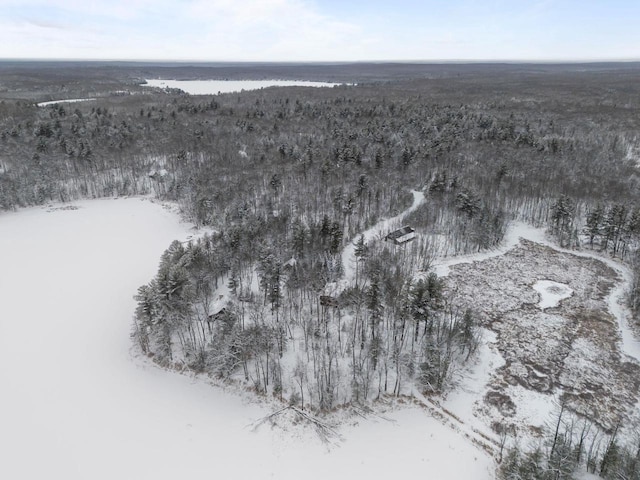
x=79, y=393
x=85, y=409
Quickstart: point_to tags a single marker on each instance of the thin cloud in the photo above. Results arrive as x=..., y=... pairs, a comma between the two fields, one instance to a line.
x=44, y=24
x=308, y=30
x=116, y=10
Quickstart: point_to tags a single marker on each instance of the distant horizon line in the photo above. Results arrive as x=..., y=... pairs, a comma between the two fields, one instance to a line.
x=330, y=62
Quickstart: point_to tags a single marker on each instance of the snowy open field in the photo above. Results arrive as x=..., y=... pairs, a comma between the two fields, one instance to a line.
x=75, y=404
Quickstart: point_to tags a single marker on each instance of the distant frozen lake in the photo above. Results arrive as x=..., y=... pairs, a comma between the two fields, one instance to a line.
x=70, y=100
x=213, y=87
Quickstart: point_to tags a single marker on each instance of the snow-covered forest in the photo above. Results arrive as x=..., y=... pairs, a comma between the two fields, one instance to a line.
x=293, y=289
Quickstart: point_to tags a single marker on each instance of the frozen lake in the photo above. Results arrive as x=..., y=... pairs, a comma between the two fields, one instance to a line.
x=213, y=87
x=76, y=404
x=70, y=100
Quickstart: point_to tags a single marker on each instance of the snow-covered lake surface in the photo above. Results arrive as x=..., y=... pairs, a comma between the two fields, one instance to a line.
x=70, y=100
x=75, y=404
x=213, y=87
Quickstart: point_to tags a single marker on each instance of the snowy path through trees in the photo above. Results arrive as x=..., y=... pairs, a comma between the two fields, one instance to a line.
x=75, y=405
x=379, y=230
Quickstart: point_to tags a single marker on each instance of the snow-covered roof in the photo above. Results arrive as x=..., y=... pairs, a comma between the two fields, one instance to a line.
x=402, y=235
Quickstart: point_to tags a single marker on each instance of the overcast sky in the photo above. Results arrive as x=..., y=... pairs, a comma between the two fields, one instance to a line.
x=321, y=30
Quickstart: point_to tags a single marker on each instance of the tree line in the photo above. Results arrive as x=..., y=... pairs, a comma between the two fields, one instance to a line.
x=570, y=446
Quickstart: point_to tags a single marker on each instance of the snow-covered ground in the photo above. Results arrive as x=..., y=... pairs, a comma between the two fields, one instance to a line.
x=472, y=384
x=533, y=408
x=517, y=230
x=551, y=293
x=74, y=404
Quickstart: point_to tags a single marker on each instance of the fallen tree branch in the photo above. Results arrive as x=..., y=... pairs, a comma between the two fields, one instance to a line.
x=326, y=432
